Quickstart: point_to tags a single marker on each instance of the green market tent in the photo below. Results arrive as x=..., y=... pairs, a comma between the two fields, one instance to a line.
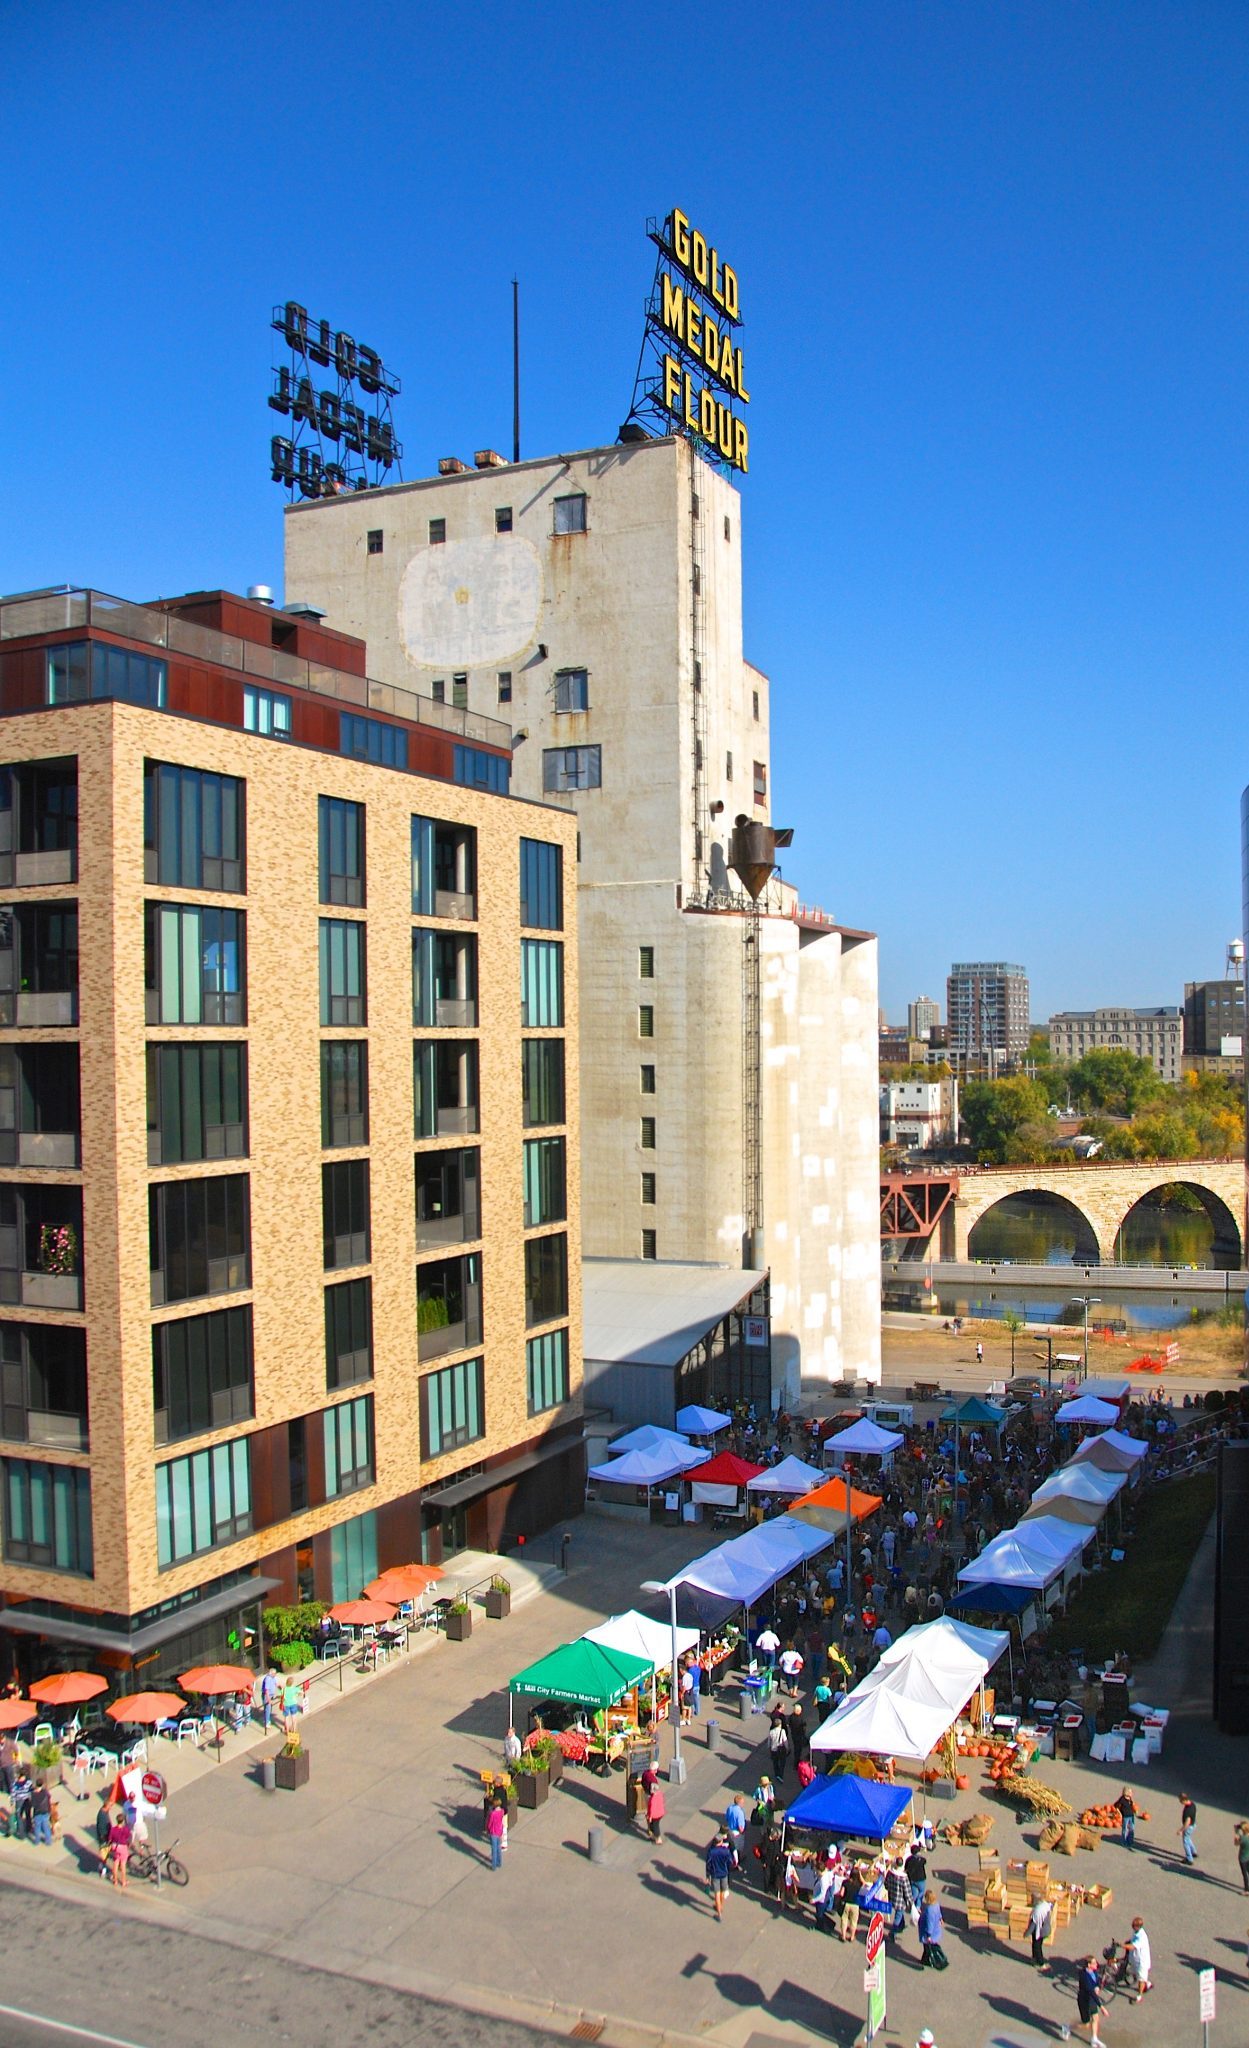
x=973, y=1410
x=584, y=1674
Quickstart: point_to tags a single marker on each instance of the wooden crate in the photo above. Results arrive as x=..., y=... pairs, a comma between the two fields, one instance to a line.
x=988, y=1858
x=1100, y=1896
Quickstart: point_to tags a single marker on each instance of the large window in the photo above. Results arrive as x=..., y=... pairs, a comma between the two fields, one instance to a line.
x=195, y=964
x=541, y=984
x=267, y=712
x=39, y=964
x=193, y=825
x=348, y=1446
x=444, y=979
x=340, y=841
x=40, y=1244
x=546, y=1279
x=85, y=669
x=40, y=1114
x=546, y=1371
x=453, y=1408
x=348, y=1333
x=565, y=768
x=444, y=869
x=542, y=1080
x=344, y=990
x=478, y=770
x=444, y=1086
x=202, y=1373
x=368, y=739
x=47, y=1517
x=43, y=1385
x=196, y=1103
x=200, y=1237
x=448, y=1305
x=344, y=1092
x=203, y=1501
x=572, y=689
x=541, y=885
x=345, y=1212
x=570, y=513
x=546, y=1197
x=448, y=1201
x=353, y=1555
x=39, y=822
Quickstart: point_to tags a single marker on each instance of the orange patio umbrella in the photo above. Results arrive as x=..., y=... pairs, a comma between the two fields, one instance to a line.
x=68, y=1688
x=217, y=1678
x=145, y=1707
x=403, y=1582
x=360, y=1613
x=16, y=1713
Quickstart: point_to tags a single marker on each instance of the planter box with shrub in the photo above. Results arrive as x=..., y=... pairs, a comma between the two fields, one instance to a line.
x=291, y=1771
x=459, y=1624
x=534, y=1786
x=498, y=1599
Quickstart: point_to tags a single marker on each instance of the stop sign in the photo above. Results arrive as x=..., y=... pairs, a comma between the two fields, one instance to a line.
x=875, y=1937
x=153, y=1788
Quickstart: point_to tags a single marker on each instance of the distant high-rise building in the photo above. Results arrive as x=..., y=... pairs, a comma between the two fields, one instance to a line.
x=987, y=1009
x=1214, y=1018
x=921, y=1017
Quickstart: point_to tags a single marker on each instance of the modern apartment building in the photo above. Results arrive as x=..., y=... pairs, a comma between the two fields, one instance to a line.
x=1155, y=1035
x=289, y=1272
x=728, y=1062
x=987, y=1011
x=922, y=1017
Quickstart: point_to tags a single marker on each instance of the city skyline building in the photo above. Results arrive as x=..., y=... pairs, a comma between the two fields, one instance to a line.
x=289, y=1272
x=1156, y=1035
x=728, y=1055
x=922, y=1017
x=987, y=1011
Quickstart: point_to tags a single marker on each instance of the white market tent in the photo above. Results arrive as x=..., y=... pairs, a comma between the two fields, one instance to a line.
x=920, y=1686
x=863, y=1439
x=1063, y=1507
x=1112, y=1451
x=1081, y=1482
x=1088, y=1409
x=697, y=1421
x=1007, y=1561
x=746, y=1566
x=790, y=1476
x=646, y=1437
x=648, y=1467
x=1053, y=1537
x=638, y=1636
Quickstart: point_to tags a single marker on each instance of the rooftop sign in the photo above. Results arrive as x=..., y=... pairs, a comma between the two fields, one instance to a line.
x=336, y=444
x=692, y=375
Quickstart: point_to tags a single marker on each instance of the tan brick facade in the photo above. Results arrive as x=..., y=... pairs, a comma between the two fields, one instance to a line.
x=111, y=741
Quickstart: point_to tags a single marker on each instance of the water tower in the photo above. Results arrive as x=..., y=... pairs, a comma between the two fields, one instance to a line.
x=1235, y=968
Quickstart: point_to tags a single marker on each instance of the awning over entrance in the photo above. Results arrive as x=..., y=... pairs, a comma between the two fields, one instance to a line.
x=461, y=1491
x=64, y=1628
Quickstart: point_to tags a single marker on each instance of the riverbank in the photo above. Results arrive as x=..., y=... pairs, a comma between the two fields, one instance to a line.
x=1207, y=1350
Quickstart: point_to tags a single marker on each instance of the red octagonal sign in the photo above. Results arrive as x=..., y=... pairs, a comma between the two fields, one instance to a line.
x=875, y=1937
x=153, y=1788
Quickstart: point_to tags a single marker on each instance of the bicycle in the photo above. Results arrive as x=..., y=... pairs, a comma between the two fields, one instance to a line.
x=159, y=1865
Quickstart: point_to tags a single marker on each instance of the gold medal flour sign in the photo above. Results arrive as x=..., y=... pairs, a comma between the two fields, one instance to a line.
x=695, y=313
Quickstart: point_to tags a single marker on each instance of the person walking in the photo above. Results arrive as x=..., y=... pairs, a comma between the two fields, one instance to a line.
x=119, y=1849
x=931, y=1928
x=695, y=1673
x=496, y=1831
x=1089, y=2001
x=825, y=1892
x=719, y=1871
x=1127, y=1818
x=270, y=1688
x=1241, y=1840
x=1140, y=1961
x=848, y=1900
x=778, y=1745
x=41, y=1813
x=767, y=1643
x=655, y=1810
x=1188, y=1821
x=735, y=1825
x=1040, y=1927
x=792, y=1662
x=901, y=1897
x=916, y=1867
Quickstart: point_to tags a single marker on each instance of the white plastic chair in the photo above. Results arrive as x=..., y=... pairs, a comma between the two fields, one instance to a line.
x=44, y=1732
x=136, y=1753
x=188, y=1731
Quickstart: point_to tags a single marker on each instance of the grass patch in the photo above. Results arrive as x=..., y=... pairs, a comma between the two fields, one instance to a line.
x=1127, y=1606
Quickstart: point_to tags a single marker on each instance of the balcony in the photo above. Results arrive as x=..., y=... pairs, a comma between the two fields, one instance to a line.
x=44, y=870
x=39, y=965
x=38, y=824
x=448, y=1306
x=40, y=1246
x=56, y=1432
x=448, y=1207
x=58, y=1149
x=445, y=1084
x=228, y=1275
x=444, y=981
x=455, y=903
x=39, y=1108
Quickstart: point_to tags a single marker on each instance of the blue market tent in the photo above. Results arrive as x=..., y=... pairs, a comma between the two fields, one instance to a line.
x=991, y=1599
x=849, y=1806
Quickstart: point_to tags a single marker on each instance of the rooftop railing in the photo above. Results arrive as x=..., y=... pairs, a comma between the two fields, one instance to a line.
x=61, y=611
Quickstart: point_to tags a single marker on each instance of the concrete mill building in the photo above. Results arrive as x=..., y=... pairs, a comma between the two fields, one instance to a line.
x=728, y=1064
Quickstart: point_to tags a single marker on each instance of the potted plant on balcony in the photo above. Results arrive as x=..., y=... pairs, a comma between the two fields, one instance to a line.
x=291, y=1765
x=54, y=1283
x=498, y=1598
x=459, y=1620
x=533, y=1779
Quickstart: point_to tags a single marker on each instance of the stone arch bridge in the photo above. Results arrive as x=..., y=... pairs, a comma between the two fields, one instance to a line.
x=946, y=1206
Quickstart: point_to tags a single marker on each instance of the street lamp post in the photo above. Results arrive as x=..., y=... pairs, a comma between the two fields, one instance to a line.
x=676, y=1770
x=1087, y=1301
x=1049, y=1363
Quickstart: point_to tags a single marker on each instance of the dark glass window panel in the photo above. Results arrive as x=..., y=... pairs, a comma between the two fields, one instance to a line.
x=453, y=1408
x=203, y=1501
x=348, y=1446
x=47, y=1517
x=200, y=1237
x=542, y=1080
x=345, y=1212
x=195, y=964
x=344, y=990
x=546, y=1279
x=546, y=1370
x=340, y=835
x=196, y=1103
x=202, y=1373
x=448, y=1199
x=344, y=1092
x=43, y=1385
x=193, y=824
x=545, y=1181
x=444, y=1085
x=348, y=1333
x=541, y=885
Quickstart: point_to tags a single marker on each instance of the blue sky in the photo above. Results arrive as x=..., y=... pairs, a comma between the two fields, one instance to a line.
x=993, y=273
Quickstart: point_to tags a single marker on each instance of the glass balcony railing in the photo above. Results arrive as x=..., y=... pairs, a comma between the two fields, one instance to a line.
x=59, y=611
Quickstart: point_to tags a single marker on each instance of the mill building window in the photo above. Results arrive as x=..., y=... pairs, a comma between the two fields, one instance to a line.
x=572, y=689
x=569, y=768
x=570, y=513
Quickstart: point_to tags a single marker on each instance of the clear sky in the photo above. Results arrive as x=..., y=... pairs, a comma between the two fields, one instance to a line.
x=993, y=265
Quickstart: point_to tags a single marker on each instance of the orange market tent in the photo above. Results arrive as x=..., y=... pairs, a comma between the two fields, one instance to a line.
x=825, y=1508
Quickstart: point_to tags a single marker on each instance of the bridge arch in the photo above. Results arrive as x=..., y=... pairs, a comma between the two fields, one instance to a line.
x=1085, y=1245
x=1227, y=1249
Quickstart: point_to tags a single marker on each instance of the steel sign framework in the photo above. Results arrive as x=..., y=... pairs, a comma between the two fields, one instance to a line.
x=691, y=375
x=336, y=443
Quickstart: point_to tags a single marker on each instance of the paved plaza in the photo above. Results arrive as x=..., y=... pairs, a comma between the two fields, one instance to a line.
x=377, y=1868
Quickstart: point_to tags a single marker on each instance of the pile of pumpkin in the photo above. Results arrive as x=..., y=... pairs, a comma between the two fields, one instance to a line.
x=1005, y=1759
x=1107, y=1816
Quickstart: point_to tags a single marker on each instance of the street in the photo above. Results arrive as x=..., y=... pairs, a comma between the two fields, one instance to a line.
x=71, y=1976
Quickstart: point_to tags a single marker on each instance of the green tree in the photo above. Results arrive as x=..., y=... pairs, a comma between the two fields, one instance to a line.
x=993, y=1113
x=1113, y=1079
